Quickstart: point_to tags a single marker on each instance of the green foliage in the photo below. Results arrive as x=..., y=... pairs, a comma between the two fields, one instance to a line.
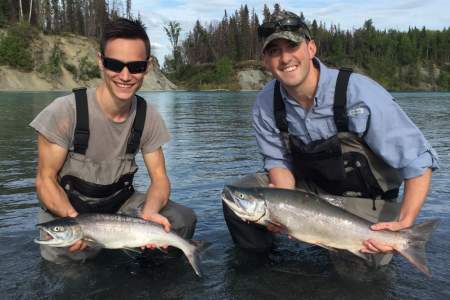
x=444, y=80
x=52, y=69
x=389, y=56
x=249, y=64
x=15, y=47
x=71, y=68
x=88, y=69
x=3, y=13
x=223, y=70
x=206, y=76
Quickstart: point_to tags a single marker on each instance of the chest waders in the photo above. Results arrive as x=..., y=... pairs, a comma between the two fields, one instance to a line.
x=342, y=164
x=108, y=198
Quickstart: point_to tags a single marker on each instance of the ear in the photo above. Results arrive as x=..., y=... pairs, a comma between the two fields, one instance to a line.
x=100, y=62
x=312, y=48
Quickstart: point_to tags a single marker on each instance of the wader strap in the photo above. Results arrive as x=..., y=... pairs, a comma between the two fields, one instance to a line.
x=340, y=100
x=138, y=126
x=81, y=136
x=279, y=109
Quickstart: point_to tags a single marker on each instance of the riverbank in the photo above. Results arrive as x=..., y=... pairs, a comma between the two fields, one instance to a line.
x=251, y=76
x=63, y=62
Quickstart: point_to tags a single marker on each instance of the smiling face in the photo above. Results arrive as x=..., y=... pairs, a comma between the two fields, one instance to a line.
x=290, y=62
x=123, y=85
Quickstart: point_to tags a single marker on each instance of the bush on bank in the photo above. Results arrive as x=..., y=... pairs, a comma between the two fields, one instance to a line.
x=15, y=47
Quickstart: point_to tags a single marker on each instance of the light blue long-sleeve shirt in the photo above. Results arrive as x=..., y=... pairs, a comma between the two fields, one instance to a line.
x=372, y=115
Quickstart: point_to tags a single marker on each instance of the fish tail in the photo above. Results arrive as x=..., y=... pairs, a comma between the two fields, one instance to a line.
x=418, y=236
x=192, y=253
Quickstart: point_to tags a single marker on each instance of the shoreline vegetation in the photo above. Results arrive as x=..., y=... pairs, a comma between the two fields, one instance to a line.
x=52, y=45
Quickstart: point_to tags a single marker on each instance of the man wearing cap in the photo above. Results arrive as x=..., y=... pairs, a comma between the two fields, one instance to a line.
x=88, y=142
x=335, y=132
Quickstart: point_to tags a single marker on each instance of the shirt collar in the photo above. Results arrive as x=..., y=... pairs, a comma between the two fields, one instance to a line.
x=324, y=78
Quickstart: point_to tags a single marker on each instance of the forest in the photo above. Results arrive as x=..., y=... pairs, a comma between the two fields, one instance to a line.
x=212, y=52
x=397, y=59
x=83, y=17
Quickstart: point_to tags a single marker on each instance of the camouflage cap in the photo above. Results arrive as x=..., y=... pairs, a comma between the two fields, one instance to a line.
x=300, y=34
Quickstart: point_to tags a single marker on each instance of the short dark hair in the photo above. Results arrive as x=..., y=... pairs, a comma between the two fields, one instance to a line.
x=127, y=29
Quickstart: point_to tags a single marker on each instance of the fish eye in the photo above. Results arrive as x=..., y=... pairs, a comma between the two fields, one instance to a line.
x=58, y=228
x=241, y=195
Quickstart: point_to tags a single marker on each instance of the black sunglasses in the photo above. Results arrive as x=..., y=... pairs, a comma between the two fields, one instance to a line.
x=287, y=24
x=117, y=66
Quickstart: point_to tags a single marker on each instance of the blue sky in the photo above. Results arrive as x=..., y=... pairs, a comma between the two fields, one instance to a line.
x=348, y=14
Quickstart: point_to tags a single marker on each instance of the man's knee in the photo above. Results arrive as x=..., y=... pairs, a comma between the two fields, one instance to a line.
x=186, y=216
x=182, y=219
x=249, y=236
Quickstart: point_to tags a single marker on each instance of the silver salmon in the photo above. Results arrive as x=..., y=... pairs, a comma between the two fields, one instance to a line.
x=311, y=219
x=114, y=232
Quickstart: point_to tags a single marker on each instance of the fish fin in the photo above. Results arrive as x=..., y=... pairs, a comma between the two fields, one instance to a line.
x=200, y=245
x=193, y=255
x=360, y=254
x=135, y=250
x=162, y=250
x=326, y=247
x=418, y=236
x=92, y=243
x=129, y=251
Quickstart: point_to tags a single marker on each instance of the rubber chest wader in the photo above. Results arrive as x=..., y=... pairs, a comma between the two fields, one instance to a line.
x=106, y=185
x=342, y=164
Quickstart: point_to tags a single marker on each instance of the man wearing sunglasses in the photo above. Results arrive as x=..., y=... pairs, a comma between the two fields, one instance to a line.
x=335, y=132
x=87, y=143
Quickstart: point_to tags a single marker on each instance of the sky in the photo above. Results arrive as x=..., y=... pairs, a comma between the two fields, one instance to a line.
x=348, y=14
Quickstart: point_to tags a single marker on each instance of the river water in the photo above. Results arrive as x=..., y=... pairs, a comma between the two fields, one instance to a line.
x=212, y=144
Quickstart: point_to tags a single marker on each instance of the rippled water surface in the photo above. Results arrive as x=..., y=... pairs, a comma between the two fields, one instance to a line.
x=211, y=145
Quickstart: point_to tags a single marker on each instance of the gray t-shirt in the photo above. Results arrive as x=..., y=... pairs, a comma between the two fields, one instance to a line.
x=107, y=139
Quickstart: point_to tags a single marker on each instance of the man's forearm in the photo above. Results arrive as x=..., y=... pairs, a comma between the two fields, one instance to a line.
x=53, y=197
x=415, y=194
x=157, y=195
x=282, y=178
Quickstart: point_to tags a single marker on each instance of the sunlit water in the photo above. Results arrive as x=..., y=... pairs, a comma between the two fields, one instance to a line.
x=211, y=145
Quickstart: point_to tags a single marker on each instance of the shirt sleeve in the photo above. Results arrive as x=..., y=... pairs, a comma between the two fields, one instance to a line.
x=56, y=122
x=267, y=135
x=155, y=132
x=391, y=134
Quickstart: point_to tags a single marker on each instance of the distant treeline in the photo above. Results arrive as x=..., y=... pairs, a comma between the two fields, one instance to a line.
x=83, y=17
x=393, y=57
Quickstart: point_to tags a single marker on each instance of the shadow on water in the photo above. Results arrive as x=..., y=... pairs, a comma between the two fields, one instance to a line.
x=212, y=143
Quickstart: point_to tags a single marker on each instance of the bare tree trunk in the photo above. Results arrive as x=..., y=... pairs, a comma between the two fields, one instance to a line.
x=31, y=8
x=20, y=11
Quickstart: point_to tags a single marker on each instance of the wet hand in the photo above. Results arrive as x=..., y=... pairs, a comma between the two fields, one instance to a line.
x=374, y=247
x=371, y=246
x=159, y=219
x=392, y=226
x=78, y=245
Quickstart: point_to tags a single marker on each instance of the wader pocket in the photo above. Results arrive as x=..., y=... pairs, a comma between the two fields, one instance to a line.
x=360, y=178
x=108, y=198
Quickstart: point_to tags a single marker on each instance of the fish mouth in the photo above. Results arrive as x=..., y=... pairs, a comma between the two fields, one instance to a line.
x=233, y=204
x=237, y=208
x=47, y=238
